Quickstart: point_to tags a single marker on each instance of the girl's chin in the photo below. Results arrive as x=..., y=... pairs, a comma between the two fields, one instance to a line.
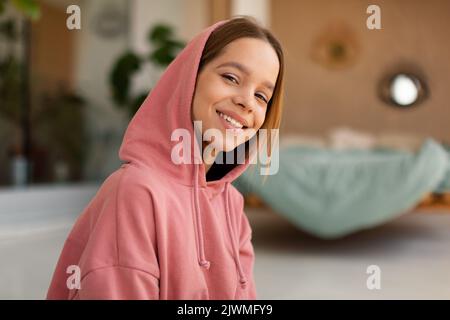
x=230, y=146
x=234, y=132
x=227, y=147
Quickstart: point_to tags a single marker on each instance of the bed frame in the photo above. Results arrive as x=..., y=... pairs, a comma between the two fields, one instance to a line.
x=435, y=201
x=438, y=201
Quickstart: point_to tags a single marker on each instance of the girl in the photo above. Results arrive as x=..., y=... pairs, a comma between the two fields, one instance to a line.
x=161, y=227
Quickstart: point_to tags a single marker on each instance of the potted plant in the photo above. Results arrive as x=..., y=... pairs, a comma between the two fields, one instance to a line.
x=13, y=76
x=55, y=126
x=165, y=48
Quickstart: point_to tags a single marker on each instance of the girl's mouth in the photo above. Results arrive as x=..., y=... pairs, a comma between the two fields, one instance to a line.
x=230, y=123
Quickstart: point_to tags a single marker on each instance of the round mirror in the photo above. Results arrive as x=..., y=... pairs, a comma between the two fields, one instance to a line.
x=403, y=90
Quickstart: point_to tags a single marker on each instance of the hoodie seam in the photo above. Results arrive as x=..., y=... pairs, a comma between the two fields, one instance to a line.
x=194, y=210
x=118, y=266
x=117, y=217
x=119, y=263
x=225, y=179
x=110, y=267
x=247, y=239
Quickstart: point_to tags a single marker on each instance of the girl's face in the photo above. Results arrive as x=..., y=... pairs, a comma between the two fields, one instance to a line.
x=233, y=90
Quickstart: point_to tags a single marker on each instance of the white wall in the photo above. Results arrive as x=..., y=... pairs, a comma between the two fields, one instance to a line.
x=94, y=61
x=258, y=9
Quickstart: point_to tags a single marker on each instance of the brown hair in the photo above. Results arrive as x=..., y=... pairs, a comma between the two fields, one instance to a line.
x=247, y=27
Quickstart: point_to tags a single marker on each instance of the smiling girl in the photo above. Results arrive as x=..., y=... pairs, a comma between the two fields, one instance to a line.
x=163, y=230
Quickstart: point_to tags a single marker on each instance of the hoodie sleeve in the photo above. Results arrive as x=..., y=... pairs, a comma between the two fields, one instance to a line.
x=247, y=254
x=120, y=259
x=118, y=283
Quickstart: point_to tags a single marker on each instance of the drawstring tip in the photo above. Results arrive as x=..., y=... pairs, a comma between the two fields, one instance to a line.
x=205, y=264
x=243, y=282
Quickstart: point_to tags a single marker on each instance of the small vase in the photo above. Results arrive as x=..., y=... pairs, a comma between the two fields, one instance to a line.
x=61, y=171
x=19, y=168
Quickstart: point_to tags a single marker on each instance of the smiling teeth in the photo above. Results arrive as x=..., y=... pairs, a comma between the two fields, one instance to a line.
x=234, y=122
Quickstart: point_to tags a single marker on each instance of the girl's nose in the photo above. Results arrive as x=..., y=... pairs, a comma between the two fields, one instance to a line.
x=245, y=101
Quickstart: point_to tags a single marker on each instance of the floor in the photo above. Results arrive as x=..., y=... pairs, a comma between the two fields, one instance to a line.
x=412, y=253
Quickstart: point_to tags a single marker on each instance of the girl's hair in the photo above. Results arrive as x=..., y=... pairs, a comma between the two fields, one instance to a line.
x=247, y=27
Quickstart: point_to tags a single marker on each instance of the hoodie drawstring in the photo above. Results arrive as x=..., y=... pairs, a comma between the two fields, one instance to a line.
x=199, y=234
x=198, y=222
x=242, y=277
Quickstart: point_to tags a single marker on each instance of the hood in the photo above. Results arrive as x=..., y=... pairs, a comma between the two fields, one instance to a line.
x=147, y=141
x=167, y=107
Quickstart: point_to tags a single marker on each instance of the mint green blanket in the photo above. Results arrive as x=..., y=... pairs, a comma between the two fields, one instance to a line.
x=331, y=193
x=444, y=186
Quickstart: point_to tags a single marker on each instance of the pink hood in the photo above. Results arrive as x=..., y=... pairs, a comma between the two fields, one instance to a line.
x=156, y=229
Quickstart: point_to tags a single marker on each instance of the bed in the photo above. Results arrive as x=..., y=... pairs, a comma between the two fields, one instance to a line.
x=331, y=193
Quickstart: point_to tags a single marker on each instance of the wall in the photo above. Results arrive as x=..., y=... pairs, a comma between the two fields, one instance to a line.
x=414, y=33
x=259, y=9
x=52, y=61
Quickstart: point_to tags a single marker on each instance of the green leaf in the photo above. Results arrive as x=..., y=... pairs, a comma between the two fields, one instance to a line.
x=176, y=44
x=28, y=7
x=8, y=29
x=136, y=104
x=2, y=6
x=161, y=56
x=120, y=76
x=160, y=34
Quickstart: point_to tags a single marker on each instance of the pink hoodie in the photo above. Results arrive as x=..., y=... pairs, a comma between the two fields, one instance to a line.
x=155, y=229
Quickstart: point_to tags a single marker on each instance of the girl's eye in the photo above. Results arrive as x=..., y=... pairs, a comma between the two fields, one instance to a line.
x=231, y=78
x=226, y=76
x=262, y=98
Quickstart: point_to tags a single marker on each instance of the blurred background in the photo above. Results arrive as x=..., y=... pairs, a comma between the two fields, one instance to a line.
x=364, y=173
